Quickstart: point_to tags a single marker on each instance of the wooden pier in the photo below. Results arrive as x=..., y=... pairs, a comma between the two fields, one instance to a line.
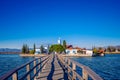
x=51, y=67
x=52, y=71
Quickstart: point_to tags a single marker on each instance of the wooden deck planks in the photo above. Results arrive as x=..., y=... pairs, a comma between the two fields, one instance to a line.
x=52, y=70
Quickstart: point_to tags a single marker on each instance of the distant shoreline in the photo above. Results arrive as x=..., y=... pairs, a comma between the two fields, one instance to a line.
x=112, y=52
x=10, y=52
x=44, y=54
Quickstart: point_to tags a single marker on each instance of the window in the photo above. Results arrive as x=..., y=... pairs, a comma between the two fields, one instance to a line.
x=74, y=51
x=68, y=52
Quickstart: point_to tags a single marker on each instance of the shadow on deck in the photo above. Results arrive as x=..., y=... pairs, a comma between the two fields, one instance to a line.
x=53, y=71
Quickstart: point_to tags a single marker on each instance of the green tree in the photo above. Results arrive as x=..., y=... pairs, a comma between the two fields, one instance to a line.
x=31, y=51
x=118, y=49
x=56, y=48
x=34, y=47
x=95, y=50
x=111, y=49
x=41, y=48
x=64, y=45
x=108, y=49
x=25, y=48
x=51, y=49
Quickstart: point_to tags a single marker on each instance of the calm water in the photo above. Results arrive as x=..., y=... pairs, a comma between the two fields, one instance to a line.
x=107, y=67
x=10, y=61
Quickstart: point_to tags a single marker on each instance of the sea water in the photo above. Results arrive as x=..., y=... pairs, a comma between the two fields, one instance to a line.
x=108, y=67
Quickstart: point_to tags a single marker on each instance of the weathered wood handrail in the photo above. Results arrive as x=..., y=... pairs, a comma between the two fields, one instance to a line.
x=71, y=70
x=14, y=73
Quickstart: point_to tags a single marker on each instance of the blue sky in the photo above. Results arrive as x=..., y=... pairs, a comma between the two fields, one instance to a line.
x=83, y=23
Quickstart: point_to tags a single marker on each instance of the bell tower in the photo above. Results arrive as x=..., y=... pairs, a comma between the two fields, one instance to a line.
x=59, y=41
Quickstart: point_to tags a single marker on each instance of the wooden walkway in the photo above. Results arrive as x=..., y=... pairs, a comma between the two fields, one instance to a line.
x=52, y=70
x=52, y=67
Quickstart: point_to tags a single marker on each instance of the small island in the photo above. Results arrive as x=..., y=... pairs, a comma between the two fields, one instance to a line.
x=61, y=47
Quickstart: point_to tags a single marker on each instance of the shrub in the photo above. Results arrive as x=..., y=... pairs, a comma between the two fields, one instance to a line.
x=31, y=51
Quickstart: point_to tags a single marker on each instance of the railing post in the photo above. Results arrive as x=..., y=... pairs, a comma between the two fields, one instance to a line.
x=43, y=66
x=15, y=76
x=84, y=74
x=64, y=59
x=68, y=61
x=28, y=69
x=74, y=68
x=39, y=64
x=34, y=68
x=42, y=62
x=69, y=69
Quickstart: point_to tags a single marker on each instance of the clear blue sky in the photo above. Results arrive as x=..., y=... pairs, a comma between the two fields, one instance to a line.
x=85, y=23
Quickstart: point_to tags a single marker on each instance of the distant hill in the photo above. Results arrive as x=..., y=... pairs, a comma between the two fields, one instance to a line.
x=118, y=47
x=9, y=50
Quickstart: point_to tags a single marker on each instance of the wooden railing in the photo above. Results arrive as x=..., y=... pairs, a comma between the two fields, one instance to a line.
x=70, y=68
x=30, y=69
